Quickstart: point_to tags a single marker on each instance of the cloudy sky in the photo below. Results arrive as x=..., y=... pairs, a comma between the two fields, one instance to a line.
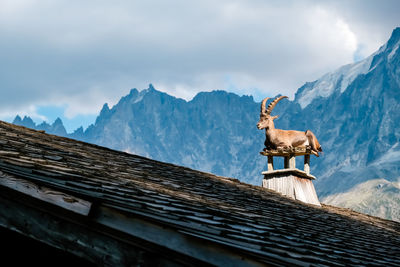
x=67, y=58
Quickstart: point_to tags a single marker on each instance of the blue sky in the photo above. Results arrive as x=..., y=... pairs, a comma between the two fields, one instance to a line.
x=51, y=113
x=67, y=58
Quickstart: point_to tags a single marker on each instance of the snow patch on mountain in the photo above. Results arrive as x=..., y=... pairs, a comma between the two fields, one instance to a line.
x=392, y=155
x=141, y=94
x=393, y=52
x=340, y=79
x=332, y=81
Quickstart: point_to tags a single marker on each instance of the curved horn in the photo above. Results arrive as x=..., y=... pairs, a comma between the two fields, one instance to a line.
x=273, y=104
x=263, y=103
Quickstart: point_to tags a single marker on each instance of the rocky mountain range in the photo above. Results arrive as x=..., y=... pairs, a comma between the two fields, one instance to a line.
x=353, y=111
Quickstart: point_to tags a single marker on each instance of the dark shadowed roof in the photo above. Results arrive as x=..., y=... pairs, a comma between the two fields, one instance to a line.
x=198, y=215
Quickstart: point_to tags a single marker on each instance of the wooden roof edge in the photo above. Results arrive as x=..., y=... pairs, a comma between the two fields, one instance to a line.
x=46, y=194
x=284, y=152
x=389, y=225
x=294, y=171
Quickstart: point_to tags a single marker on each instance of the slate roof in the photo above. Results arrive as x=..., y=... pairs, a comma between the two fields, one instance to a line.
x=258, y=224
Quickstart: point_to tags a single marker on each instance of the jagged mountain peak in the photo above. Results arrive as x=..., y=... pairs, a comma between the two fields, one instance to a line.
x=220, y=96
x=339, y=80
x=105, y=108
x=57, y=122
x=394, y=38
x=26, y=121
x=17, y=120
x=57, y=127
x=336, y=81
x=151, y=87
x=43, y=125
x=133, y=92
x=388, y=54
x=136, y=96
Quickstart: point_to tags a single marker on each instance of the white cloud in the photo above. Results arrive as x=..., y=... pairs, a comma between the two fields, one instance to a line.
x=30, y=111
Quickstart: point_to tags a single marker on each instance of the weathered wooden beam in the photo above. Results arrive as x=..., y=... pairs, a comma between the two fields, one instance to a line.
x=270, y=163
x=112, y=236
x=305, y=191
x=46, y=194
x=186, y=242
x=307, y=164
x=292, y=183
x=290, y=162
x=286, y=162
x=296, y=172
x=283, y=152
x=97, y=245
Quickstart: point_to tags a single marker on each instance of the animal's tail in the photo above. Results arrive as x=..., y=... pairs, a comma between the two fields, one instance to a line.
x=315, y=146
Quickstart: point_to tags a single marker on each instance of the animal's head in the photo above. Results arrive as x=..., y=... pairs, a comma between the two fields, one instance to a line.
x=266, y=120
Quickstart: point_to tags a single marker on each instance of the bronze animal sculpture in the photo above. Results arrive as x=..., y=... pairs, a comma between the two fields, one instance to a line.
x=276, y=138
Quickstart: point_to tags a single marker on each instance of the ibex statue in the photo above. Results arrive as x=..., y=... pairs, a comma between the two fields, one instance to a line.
x=276, y=138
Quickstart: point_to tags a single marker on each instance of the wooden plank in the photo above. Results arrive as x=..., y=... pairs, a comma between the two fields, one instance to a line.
x=305, y=191
x=288, y=184
x=270, y=163
x=91, y=242
x=283, y=185
x=292, y=162
x=289, y=189
x=298, y=191
x=283, y=152
x=307, y=164
x=295, y=172
x=312, y=194
x=286, y=162
x=209, y=250
x=46, y=194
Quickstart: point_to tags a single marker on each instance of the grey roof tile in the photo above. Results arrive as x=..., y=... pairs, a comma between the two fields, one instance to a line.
x=222, y=210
